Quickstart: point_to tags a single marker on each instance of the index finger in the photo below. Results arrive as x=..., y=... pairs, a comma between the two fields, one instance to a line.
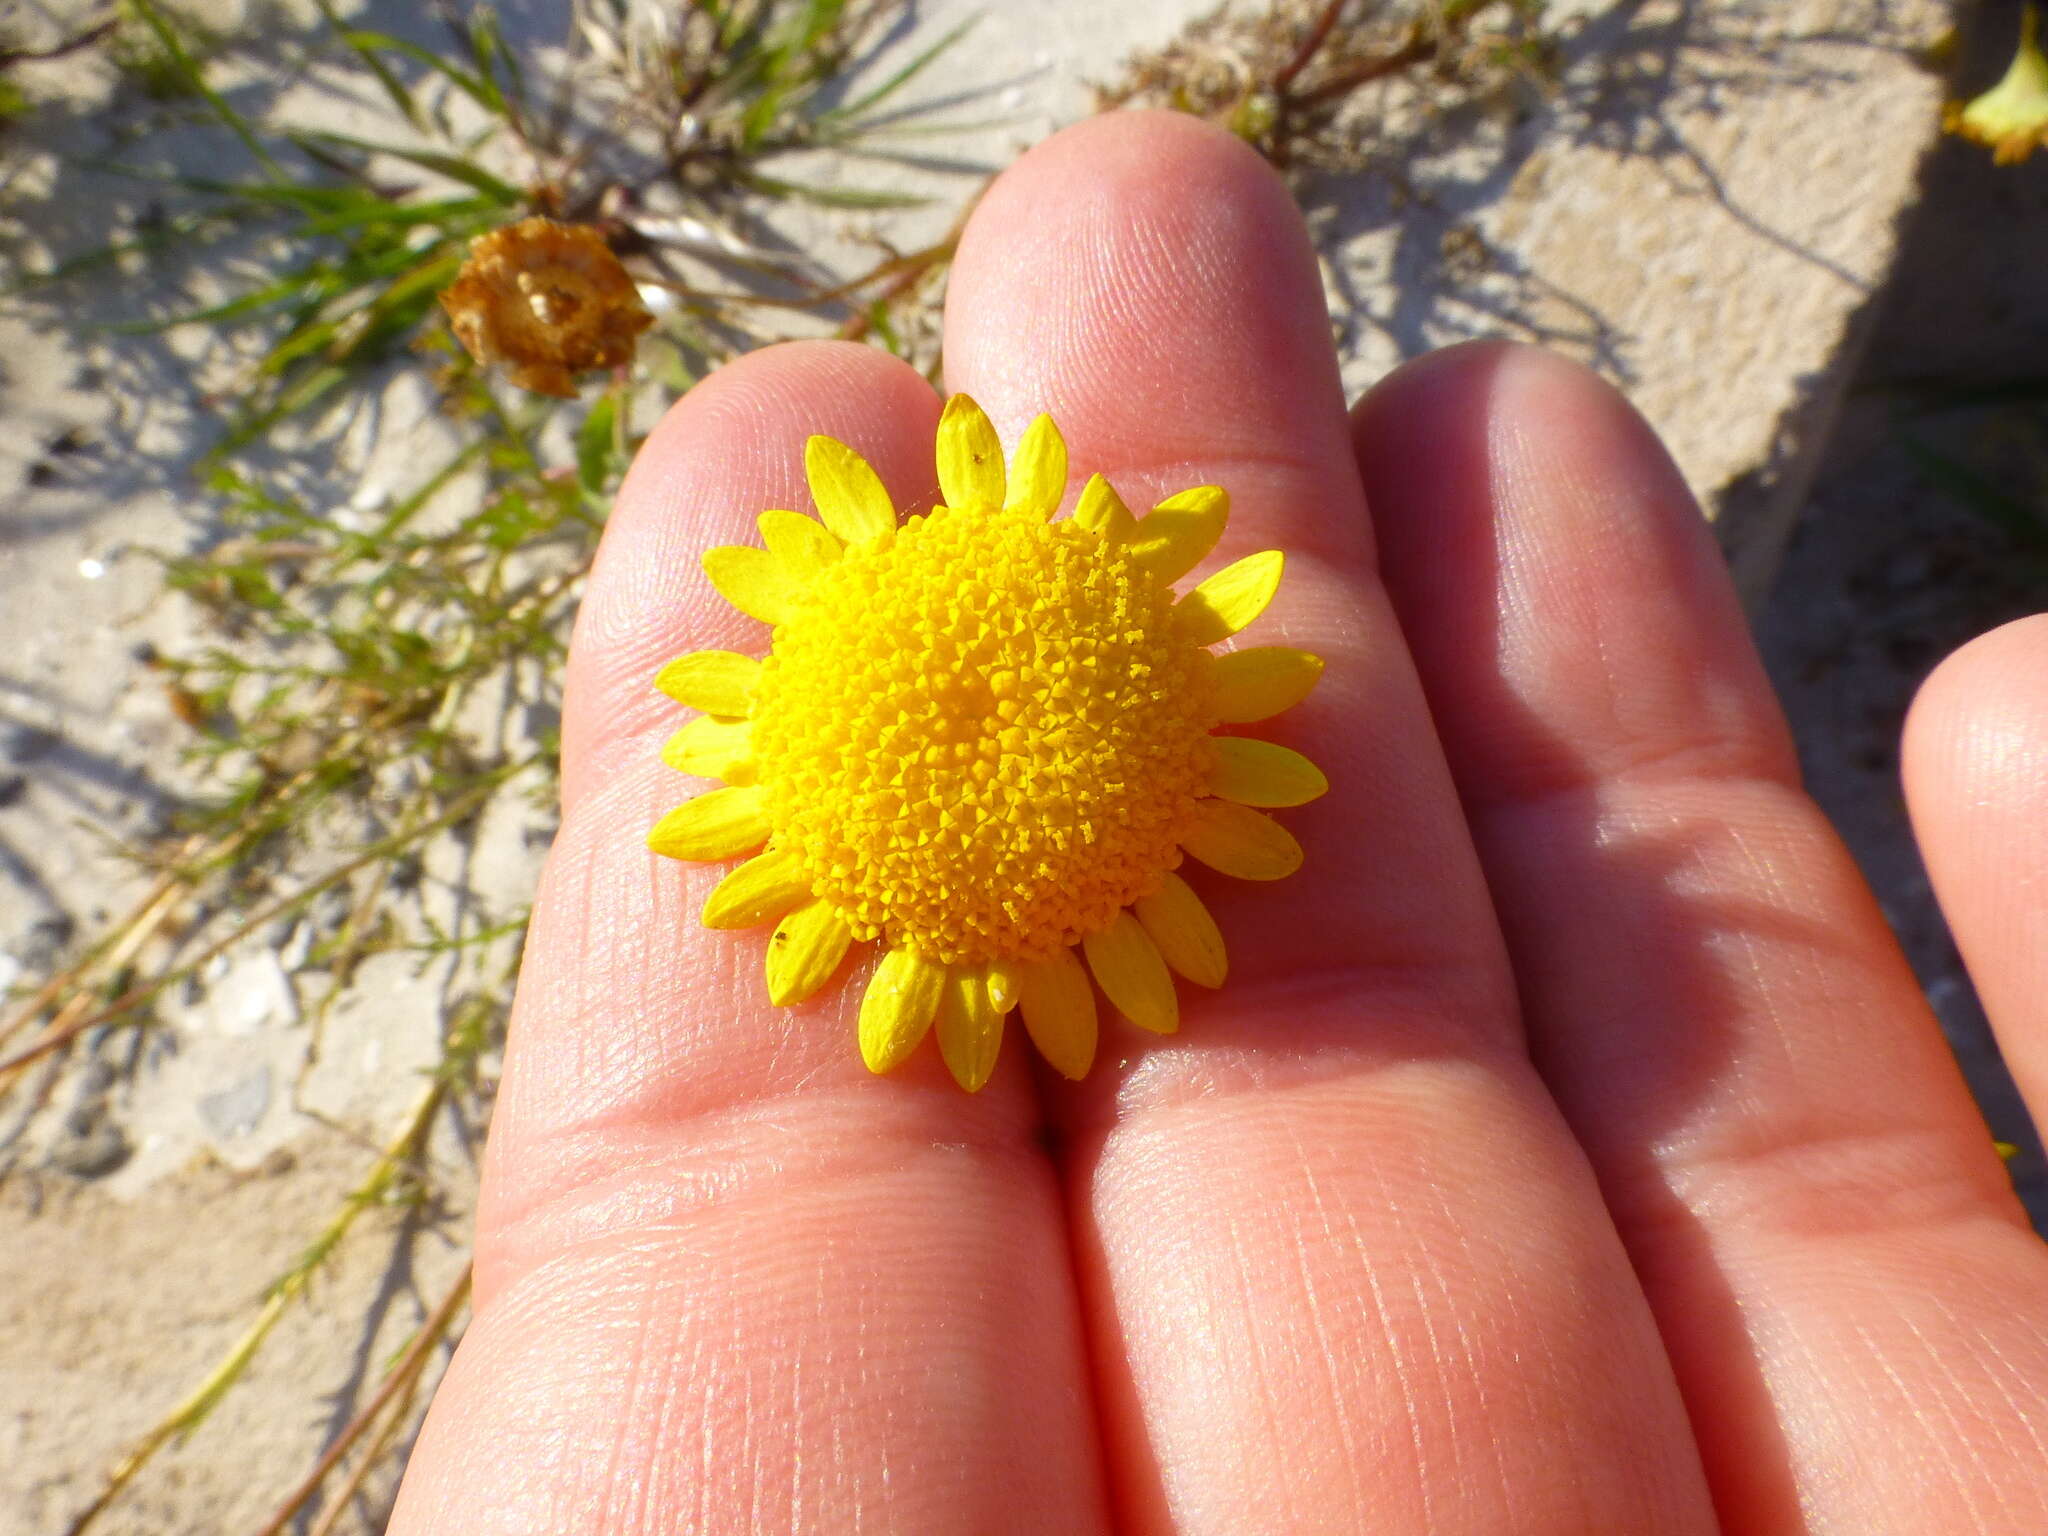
x=726, y=1281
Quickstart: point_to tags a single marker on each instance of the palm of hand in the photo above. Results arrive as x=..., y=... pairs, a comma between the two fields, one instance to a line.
x=1570, y=1150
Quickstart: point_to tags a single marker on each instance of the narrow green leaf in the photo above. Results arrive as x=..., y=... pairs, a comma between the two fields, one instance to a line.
x=901, y=78
x=452, y=166
x=393, y=86
x=190, y=73
x=481, y=92
x=834, y=197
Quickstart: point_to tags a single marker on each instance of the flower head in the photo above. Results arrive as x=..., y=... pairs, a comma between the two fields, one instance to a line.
x=2012, y=117
x=982, y=739
x=549, y=301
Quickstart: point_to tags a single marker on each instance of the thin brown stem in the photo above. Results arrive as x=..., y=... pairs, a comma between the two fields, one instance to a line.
x=148, y=914
x=862, y=320
x=70, y=45
x=394, y=1422
x=58, y=1034
x=915, y=268
x=409, y=1365
x=1311, y=45
x=1417, y=50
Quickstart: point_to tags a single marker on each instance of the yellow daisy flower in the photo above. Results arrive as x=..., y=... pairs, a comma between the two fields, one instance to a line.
x=982, y=740
x=2011, y=118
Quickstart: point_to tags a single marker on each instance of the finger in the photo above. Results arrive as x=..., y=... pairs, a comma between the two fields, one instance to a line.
x=1976, y=764
x=726, y=1281
x=1338, y=1252
x=1856, y=1314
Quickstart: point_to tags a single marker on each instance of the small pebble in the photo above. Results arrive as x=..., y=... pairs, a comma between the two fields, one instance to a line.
x=239, y=1109
x=90, y=1147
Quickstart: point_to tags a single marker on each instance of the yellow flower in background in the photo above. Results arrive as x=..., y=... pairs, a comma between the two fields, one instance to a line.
x=983, y=740
x=2012, y=117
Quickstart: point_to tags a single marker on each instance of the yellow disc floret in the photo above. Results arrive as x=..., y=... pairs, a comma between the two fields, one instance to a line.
x=983, y=735
x=982, y=742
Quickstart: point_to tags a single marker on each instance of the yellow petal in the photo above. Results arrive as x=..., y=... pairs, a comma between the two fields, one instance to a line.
x=804, y=951
x=2012, y=117
x=1005, y=984
x=1180, y=530
x=1131, y=974
x=1059, y=1012
x=753, y=581
x=1232, y=598
x=804, y=545
x=1239, y=841
x=850, y=495
x=1038, y=475
x=1260, y=681
x=1101, y=510
x=898, y=1007
x=761, y=890
x=717, y=682
x=719, y=825
x=713, y=749
x=1186, y=934
x=970, y=456
x=1264, y=773
x=970, y=1027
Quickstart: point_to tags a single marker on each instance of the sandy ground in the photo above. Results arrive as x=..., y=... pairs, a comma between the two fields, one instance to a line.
x=1642, y=218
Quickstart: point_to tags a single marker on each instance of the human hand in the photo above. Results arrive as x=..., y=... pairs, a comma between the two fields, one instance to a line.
x=1569, y=1151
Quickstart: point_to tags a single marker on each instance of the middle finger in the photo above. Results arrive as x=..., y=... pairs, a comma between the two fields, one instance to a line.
x=1345, y=1266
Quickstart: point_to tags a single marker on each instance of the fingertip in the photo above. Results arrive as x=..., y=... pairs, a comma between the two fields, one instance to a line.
x=1450, y=379
x=1124, y=157
x=1133, y=273
x=1975, y=763
x=1480, y=407
x=1556, y=581
x=737, y=436
x=1976, y=738
x=754, y=394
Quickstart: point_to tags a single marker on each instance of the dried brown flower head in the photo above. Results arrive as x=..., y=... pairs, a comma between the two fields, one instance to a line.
x=548, y=301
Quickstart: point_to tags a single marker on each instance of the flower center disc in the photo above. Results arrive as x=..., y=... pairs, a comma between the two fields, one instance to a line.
x=983, y=736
